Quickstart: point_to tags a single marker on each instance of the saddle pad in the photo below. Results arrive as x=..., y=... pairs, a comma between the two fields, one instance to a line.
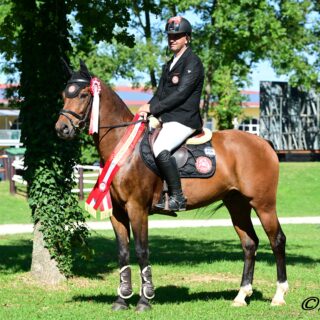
x=201, y=161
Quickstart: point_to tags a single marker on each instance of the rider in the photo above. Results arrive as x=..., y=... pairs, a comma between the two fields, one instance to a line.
x=176, y=104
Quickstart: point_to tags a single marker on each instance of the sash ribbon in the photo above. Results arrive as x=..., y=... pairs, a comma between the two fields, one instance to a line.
x=99, y=197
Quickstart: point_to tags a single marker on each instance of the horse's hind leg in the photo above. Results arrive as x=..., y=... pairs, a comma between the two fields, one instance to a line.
x=269, y=220
x=120, y=223
x=240, y=209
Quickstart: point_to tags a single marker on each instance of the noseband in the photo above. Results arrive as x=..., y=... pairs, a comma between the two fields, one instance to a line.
x=82, y=119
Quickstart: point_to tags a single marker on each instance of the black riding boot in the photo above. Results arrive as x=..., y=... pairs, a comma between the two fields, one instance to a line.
x=169, y=171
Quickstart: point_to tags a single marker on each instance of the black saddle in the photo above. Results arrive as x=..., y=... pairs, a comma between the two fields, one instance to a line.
x=193, y=160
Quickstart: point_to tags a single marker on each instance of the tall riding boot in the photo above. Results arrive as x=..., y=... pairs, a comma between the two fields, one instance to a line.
x=169, y=171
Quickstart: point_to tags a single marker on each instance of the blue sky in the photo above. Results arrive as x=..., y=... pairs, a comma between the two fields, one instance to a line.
x=263, y=72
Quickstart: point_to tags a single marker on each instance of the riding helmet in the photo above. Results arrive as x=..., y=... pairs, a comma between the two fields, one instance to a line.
x=177, y=25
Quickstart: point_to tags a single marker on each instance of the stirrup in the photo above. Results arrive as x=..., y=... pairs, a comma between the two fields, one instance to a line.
x=162, y=201
x=177, y=203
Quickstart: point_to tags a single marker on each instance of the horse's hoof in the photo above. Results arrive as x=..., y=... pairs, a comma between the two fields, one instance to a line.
x=119, y=306
x=277, y=303
x=142, y=307
x=236, y=303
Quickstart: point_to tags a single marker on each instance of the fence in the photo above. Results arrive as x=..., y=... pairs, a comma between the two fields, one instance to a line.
x=80, y=178
x=14, y=170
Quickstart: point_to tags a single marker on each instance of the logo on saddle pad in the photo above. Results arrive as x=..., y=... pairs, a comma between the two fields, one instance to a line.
x=203, y=164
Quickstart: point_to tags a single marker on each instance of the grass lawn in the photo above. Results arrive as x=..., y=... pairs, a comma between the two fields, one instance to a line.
x=196, y=272
x=298, y=195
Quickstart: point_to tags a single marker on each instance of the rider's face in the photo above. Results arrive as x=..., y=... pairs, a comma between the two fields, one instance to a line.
x=177, y=42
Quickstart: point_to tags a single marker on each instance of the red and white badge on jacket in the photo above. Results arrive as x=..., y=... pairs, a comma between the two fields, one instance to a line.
x=175, y=79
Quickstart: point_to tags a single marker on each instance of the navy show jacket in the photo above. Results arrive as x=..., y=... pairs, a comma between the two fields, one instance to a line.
x=179, y=92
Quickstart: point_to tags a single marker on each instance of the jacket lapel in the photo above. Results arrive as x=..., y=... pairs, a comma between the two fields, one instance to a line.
x=180, y=61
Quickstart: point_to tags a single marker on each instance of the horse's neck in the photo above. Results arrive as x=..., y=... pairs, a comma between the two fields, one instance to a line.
x=113, y=112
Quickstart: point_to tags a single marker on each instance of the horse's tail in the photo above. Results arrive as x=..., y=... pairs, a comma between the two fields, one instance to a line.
x=217, y=207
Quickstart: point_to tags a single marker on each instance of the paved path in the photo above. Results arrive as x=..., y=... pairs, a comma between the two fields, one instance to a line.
x=163, y=224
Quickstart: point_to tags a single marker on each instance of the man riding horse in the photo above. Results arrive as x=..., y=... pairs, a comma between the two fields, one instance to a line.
x=176, y=103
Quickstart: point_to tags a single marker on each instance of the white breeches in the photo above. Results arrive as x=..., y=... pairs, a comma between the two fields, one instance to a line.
x=171, y=135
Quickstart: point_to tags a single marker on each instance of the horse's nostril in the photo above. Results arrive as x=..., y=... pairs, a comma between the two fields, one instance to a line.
x=64, y=129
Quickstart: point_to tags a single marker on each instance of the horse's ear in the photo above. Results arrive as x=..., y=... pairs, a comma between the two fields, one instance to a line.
x=67, y=69
x=84, y=69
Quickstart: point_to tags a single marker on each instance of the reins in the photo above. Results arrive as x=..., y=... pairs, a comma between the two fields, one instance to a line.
x=123, y=124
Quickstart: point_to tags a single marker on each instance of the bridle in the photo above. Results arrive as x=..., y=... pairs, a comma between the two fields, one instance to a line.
x=83, y=120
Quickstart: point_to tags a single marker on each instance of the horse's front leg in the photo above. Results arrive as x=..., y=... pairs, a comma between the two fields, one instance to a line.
x=120, y=223
x=139, y=224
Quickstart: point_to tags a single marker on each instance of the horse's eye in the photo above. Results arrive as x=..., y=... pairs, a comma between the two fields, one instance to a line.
x=83, y=95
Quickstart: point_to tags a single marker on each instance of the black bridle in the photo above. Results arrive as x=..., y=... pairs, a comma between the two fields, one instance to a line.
x=83, y=120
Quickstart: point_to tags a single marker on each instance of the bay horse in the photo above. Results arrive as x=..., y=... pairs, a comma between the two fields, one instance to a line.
x=246, y=177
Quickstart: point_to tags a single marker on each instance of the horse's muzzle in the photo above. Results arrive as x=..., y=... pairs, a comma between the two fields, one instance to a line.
x=64, y=131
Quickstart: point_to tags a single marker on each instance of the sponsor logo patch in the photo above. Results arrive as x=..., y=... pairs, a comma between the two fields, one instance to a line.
x=203, y=165
x=209, y=152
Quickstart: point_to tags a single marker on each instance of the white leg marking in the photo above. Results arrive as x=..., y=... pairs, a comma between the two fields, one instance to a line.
x=282, y=289
x=244, y=292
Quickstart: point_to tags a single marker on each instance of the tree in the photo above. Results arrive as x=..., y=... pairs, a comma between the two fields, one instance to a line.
x=229, y=104
x=231, y=38
x=115, y=59
x=234, y=36
x=36, y=36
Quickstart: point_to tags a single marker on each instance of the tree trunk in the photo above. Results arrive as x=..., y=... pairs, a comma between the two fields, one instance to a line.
x=43, y=268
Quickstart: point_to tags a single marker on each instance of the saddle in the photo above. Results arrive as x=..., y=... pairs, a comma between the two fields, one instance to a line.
x=196, y=158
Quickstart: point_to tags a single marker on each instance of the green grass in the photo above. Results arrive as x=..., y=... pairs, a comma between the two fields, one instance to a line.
x=13, y=208
x=196, y=272
x=298, y=195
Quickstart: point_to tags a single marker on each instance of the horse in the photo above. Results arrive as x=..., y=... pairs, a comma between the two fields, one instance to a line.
x=246, y=178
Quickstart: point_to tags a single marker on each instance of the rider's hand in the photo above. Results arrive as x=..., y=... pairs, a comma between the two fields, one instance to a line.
x=144, y=110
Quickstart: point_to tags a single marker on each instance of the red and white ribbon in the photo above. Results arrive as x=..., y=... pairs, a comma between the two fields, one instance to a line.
x=95, y=89
x=99, y=197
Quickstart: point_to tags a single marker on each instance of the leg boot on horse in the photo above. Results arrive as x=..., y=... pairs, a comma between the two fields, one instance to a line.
x=169, y=171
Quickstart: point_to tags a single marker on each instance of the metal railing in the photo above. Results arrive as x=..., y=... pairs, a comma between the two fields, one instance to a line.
x=10, y=137
x=82, y=176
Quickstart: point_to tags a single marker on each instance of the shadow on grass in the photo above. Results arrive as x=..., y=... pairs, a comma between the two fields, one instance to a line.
x=173, y=294
x=15, y=255
x=165, y=251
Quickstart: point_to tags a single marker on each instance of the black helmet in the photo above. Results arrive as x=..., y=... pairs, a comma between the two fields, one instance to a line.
x=177, y=25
